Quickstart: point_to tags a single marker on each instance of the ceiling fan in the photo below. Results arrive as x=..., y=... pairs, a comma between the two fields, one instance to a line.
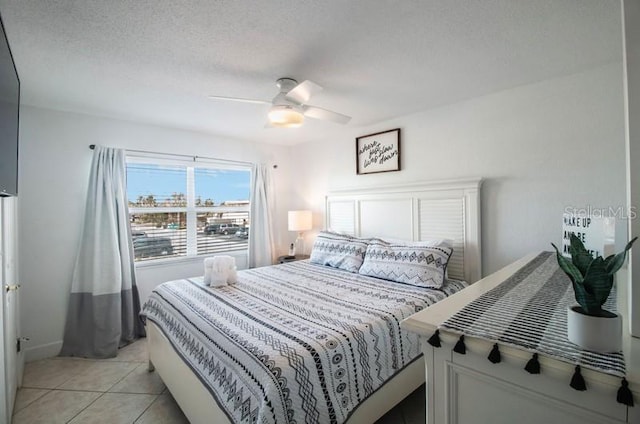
x=289, y=106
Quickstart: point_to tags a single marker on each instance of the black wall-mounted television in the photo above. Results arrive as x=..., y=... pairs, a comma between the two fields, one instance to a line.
x=9, y=115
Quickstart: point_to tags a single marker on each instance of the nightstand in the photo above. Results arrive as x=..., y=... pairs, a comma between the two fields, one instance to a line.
x=284, y=259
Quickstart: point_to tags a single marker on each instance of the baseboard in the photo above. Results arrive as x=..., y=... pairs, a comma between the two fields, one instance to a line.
x=47, y=350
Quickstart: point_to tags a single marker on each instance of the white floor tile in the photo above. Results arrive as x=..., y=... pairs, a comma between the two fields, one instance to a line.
x=57, y=406
x=100, y=376
x=164, y=410
x=114, y=408
x=26, y=397
x=140, y=380
x=135, y=352
x=51, y=373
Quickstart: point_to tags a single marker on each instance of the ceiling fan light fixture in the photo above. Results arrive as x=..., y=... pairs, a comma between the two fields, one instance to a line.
x=285, y=116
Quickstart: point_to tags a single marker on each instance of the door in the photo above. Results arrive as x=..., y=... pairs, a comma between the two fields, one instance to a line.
x=8, y=259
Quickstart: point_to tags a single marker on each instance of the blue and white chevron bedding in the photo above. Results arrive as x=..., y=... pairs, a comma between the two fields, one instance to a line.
x=292, y=343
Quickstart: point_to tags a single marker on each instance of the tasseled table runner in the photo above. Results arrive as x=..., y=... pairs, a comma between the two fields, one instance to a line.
x=528, y=311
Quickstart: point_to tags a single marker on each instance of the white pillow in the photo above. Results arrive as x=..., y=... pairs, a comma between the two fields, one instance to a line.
x=430, y=242
x=422, y=266
x=338, y=251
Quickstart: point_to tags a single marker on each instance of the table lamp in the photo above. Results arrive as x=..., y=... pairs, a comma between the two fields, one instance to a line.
x=300, y=221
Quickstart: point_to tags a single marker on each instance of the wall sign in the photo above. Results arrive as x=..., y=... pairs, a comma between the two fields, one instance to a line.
x=379, y=152
x=596, y=233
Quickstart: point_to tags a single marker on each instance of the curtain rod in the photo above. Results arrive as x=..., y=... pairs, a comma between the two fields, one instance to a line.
x=93, y=146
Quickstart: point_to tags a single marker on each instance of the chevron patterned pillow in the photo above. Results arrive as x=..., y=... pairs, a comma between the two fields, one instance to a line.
x=422, y=266
x=338, y=251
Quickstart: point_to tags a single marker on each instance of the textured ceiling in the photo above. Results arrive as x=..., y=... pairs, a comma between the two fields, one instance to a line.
x=156, y=61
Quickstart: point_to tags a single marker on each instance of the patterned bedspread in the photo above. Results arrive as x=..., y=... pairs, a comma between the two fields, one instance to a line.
x=292, y=343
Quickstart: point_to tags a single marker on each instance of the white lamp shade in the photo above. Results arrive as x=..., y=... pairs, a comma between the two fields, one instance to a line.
x=300, y=221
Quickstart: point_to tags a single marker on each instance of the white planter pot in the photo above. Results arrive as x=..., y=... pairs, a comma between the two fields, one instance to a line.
x=599, y=334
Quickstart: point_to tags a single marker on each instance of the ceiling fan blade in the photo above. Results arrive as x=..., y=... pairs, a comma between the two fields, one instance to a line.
x=327, y=115
x=302, y=92
x=238, y=99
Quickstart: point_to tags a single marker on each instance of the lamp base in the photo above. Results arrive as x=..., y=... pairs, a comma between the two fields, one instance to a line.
x=299, y=246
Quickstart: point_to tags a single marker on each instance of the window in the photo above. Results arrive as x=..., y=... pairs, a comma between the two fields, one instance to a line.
x=186, y=210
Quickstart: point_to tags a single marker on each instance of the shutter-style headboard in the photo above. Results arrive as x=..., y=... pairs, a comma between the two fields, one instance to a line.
x=440, y=209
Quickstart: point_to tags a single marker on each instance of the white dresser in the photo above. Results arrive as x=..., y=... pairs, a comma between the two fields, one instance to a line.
x=469, y=389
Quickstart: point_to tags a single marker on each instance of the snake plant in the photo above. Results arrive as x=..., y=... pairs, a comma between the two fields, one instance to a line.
x=592, y=277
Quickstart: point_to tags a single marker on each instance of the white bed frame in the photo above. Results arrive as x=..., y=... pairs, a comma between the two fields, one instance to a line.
x=443, y=209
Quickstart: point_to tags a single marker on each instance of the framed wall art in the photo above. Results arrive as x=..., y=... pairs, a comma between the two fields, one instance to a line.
x=379, y=152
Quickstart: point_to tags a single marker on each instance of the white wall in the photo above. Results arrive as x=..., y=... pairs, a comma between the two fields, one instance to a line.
x=540, y=147
x=631, y=11
x=54, y=171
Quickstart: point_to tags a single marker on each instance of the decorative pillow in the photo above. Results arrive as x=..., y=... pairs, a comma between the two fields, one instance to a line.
x=338, y=251
x=418, y=265
x=428, y=242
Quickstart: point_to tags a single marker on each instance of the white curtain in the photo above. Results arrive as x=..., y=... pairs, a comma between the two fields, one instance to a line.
x=104, y=304
x=260, y=233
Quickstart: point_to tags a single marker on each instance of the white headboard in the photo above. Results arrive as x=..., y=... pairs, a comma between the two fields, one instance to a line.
x=439, y=209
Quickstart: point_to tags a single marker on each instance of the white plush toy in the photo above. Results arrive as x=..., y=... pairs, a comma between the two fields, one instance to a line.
x=220, y=271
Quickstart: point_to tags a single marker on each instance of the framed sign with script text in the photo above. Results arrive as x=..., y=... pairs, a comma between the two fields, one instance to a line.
x=379, y=152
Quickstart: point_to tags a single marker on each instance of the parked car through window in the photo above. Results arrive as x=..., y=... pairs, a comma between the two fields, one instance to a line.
x=145, y=247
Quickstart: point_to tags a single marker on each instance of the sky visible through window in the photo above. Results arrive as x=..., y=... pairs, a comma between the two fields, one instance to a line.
x=161, y=181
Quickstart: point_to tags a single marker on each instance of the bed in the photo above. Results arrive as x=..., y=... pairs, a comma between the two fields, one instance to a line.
x=301, y=342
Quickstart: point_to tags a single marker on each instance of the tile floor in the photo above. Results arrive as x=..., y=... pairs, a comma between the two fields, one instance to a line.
x=121, y=390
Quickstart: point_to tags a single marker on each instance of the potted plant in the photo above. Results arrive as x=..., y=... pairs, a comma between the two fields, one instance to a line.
x=588, y=325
